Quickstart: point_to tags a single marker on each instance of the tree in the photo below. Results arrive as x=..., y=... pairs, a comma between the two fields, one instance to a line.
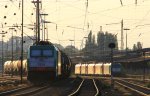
x=89, y=41
x=98, y=49
x=70, y=50
x=139, y=45
x=90, y=45
x=93, y=39
x=101, y=40
x=134, y=47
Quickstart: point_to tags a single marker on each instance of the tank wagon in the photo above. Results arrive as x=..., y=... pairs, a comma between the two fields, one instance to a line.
x=103, y=69
x=14, y=67
x=46, y=62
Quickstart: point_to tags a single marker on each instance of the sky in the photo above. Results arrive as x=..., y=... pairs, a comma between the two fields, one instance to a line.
x=72, y=18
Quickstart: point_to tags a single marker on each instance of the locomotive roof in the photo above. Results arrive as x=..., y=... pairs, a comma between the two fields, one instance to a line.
x=49, y=43
x=43, y=43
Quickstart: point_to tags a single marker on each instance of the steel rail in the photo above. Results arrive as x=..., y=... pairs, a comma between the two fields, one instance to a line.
x=134, y=87
x=4, y=93
x=136, y=84
x=31, y=91
x=76, y=91
x=141, y=93
x=97, y=90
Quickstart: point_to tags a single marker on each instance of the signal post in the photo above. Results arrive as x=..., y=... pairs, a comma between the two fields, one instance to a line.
x=112, y=46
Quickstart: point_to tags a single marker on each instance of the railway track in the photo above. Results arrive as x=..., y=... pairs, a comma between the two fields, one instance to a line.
x=9, y=82
x=87, y=87
x=25, y=91
x=8, y=92
x=54, y=87
x=4, y=81
x=138, y=89
x=137, y=79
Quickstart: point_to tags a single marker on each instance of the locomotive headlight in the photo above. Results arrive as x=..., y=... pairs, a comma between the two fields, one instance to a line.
x=59, y=64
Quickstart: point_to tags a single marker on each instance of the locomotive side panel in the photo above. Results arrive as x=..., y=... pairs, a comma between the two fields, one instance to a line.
x=59, y=64
x=66, y=65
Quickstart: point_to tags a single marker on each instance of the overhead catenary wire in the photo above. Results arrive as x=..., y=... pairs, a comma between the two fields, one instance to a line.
x=60, y=21
x=14, y=6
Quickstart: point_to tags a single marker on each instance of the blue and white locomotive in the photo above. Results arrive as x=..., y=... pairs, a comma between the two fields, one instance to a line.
x=117, y=69
x=46, y=62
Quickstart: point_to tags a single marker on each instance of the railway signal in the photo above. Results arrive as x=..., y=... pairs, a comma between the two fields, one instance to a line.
x=112, y=45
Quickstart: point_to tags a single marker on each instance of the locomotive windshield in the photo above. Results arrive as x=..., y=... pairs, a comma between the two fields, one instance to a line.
x=41, y=57
x=47, y=53
x=35, y=53
x=39, y=53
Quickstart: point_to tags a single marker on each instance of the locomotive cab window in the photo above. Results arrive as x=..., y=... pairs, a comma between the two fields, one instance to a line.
x=48, y=53
x=35, y=53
